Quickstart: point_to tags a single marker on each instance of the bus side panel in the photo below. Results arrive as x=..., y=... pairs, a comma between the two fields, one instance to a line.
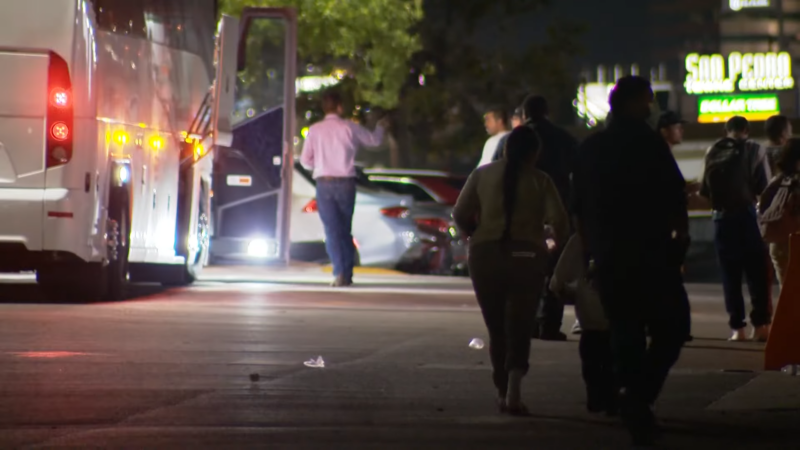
x=75, y=187
x=147, y=92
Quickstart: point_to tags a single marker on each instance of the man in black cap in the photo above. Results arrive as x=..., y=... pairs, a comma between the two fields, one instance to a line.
x=670, y=125
x=636, y=268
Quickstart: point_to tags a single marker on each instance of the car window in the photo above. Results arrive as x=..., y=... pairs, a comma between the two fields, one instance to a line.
x=398, y=187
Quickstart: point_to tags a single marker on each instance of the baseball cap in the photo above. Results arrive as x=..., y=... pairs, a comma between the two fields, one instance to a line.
x=669, y=118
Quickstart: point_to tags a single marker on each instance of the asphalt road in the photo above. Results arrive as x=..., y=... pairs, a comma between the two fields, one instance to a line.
x=221, y=365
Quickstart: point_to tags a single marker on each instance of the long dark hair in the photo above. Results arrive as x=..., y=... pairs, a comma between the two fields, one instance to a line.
x=522, y=145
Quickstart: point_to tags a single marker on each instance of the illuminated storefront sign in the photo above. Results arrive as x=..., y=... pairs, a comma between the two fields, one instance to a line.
x=708, y=74
x=738, y=5
x=591, y=102
x=720, y=108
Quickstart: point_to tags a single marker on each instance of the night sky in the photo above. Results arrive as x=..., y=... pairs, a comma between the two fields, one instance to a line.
x=617, y=29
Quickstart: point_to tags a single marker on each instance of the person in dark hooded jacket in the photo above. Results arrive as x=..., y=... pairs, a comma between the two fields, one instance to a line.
x=636, y=266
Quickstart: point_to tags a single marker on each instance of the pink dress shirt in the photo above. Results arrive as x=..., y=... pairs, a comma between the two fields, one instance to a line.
x=331, y=145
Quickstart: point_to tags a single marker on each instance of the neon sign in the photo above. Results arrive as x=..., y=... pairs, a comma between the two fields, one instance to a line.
x=707, y=74
x=738, y=5
x=753, y=107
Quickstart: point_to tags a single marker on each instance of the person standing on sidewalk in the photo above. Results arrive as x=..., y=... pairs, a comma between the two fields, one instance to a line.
x=496, y=122
x=329, y=152
x=556, y=159
x=504, y=207
x=778, y=211
x=670, y=126
x=779, y=130
x=636, y=265
x=735, y=174
x=516, y=121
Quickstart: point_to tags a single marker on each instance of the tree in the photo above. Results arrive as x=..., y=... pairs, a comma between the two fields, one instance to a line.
x=371, y=39
x=456, y=75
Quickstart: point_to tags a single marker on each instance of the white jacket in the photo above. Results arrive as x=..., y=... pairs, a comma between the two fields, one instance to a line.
x=569, y=278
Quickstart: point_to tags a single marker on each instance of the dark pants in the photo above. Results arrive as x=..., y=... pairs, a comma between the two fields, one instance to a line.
x=637, y=298
x=597, y=367
x=336, y=199
x=550, y=315
x=508, y=278
x=741, y=251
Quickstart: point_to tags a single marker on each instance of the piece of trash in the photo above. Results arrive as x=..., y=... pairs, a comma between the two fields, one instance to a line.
x=254, y=377
x=317, y=362
x=476, y=343
x=791, y=369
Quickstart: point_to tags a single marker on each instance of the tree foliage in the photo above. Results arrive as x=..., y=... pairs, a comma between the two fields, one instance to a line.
x=372, y=39
x=472, y=59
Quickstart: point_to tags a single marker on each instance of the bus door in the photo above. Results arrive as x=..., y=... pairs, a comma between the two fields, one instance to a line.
x=252, y=175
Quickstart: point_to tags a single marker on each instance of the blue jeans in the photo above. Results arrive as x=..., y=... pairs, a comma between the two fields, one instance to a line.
x=741, y=251
x=336, y=200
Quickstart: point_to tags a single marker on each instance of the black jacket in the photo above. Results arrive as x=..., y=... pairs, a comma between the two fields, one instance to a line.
x=557, y=156
x=629, y=195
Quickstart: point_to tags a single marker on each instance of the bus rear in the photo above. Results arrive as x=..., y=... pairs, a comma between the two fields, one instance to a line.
x=36, y=122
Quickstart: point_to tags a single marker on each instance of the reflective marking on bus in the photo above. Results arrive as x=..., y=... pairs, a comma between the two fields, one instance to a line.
x=60, y=214
x=240, y=180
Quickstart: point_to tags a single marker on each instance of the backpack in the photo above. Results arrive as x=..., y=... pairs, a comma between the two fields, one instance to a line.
x=779, y=218
x=727, y=177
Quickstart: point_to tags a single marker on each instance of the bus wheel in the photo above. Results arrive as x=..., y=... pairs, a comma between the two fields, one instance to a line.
x=118, y=242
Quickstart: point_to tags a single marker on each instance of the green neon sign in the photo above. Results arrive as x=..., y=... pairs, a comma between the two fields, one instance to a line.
x=752, y=106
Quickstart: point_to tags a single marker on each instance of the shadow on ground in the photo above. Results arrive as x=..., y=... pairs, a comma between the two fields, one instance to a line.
x=29, y=293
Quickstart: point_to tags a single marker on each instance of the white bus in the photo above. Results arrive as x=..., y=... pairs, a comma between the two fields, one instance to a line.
x=108, y=121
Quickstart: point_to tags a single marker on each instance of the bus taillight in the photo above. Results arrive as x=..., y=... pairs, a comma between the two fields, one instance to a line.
x=59, y=112
x=59, y=131
x=59, y=98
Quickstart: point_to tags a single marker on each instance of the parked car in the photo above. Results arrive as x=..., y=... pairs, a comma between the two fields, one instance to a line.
x=424, y=185
x=390, y=230
x=434, y=189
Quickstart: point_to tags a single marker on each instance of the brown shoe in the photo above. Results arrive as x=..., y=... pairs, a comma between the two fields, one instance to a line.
x=339, y=282
x=760, y=334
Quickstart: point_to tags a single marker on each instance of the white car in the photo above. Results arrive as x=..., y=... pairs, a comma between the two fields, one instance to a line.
x=385, y=227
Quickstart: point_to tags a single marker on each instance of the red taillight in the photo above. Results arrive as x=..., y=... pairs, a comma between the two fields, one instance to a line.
x=59, y=131
x=395, y=212
x=59, y=98
x=311, y=207
x=59, y=112
x=434, y=223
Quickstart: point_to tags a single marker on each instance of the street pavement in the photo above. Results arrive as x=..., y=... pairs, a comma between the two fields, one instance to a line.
x=221, y=365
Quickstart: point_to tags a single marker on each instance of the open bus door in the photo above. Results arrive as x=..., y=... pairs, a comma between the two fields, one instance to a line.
x=253, y=164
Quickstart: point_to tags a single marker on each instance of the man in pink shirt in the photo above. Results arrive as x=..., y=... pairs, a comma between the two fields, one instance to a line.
x=329, y=153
